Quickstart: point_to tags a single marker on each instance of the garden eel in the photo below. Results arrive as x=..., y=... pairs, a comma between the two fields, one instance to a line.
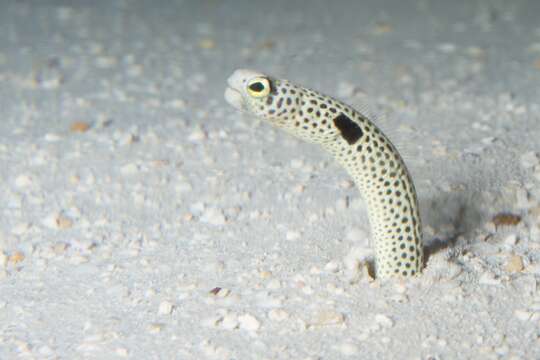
x=359, y=146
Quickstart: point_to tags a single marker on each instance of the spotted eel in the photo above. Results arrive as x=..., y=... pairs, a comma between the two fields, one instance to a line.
x=359, y=146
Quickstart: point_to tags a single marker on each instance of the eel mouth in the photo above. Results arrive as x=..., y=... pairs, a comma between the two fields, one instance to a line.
x=234, y=98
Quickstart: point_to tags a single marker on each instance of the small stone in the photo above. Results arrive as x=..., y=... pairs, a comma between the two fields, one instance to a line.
x=382, y=28
x=342, y=204
x=249, y=322
x=78, y=259
x=447, y=48
x=79, y=126
x=346, y=184
x=274, y=284
x=127, y=139
x=278, y=315
x=213, y=321
x=328, y=318
x=522, y=198
x=3, y=259
x=155, y=328
x=178, y=104
x=197, y=135
x=129, y=169
x=50, y=137
x=514, y=264
x=207, y=44
x=123, y=352
x=57, y=221
x=346, y=90
x=213, y=216
x=23, y=181
x=511, y=239
x=20, y=229
x=356, y=235
x=59, y=248
x=523, y=315
x=165, y=308
x=16, y=257
x=64, y=223
x=45, y=351
x=348, y=349
x=230, y=322
x=292, y=235
x=384, y=320
x=488, y=278
x=529, y=160
x=106, y=62
x=332, y=267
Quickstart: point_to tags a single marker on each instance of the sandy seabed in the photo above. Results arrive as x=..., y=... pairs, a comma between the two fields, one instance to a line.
x=142, y=217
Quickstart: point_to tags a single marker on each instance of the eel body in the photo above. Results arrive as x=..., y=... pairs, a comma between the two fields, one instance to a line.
x=359, y=146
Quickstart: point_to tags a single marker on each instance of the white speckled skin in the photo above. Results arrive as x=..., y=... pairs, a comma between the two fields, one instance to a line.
x=368, y=155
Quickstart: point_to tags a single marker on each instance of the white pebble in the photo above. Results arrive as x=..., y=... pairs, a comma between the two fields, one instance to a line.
x=346, y=89
x=129, y=169
x=297, y=163
x=127, y=139
x=45, y=351
x=384, y=320
x=332, y=267
x=230, y=322
x=23, y=181
x=183, y=186
x=348, y=349
x=50, y=137
x=249, y=322
x=155, y=328
x=20, y=229
x=529, y=160
x=213, y=216
x=511, y=239
x=522, y=198
x=105, y=62
x=447, y=48
x=292, y=235
x=488, y=278
x=522, y=315
x=3, y=259
x=123, y=352
x=78, y=259
x=212, y=321
x=274, y=284
x=165, y=308
x=342, y=204
x=278, y=315
x=327, y=318
x=177, y=104
x=197, y=135
x=356, y=235
x=57, y=221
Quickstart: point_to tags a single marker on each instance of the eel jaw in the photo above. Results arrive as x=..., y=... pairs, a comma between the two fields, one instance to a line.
x=234, y=98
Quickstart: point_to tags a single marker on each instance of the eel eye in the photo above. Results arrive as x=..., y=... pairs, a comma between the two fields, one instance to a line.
x=258, y=87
